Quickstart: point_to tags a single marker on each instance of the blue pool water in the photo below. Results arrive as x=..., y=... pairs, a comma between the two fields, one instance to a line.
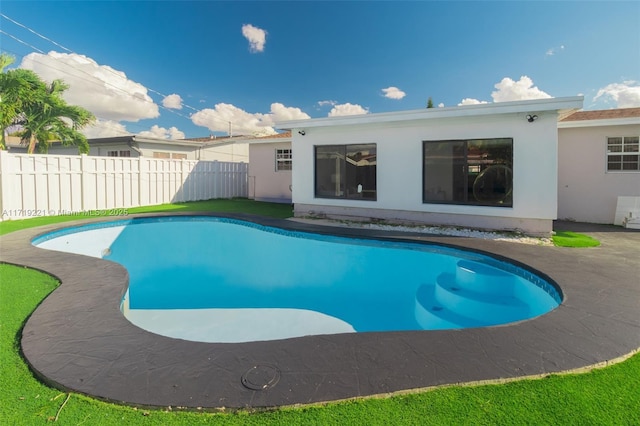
x=230, y=279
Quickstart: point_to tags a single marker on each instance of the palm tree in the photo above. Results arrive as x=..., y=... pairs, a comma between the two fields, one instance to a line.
x=51, y=118
x=39, y=110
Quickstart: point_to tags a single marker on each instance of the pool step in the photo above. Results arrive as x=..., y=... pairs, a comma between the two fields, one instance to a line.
x=484, y=279
x=476, y=295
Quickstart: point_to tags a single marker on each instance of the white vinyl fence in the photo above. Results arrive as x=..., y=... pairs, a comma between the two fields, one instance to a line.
x=45, y=185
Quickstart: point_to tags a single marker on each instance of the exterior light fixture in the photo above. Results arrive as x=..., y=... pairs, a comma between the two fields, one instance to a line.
x=531, y=118
x=302, y=132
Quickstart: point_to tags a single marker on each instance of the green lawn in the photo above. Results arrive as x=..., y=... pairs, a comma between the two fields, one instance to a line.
x=608, y=396
x=573, y=239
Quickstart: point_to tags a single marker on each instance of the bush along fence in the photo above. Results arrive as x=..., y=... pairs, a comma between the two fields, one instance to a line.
x=49, y=185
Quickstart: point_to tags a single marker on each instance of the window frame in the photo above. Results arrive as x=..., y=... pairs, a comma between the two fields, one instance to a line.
x=477, y=168
x=359, y=194
x=283, y=160
x=635, y=140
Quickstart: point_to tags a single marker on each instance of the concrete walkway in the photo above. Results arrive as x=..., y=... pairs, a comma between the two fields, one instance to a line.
x=78, y=340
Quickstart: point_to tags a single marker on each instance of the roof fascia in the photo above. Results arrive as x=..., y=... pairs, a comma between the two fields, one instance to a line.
x=528, y=106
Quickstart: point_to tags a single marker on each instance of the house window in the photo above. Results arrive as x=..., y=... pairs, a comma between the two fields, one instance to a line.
x=346, y=171
x=283, y=160
x=623, y=154
x=474, y=172
x=179, y=156
x=118, y=154
x=157, y=154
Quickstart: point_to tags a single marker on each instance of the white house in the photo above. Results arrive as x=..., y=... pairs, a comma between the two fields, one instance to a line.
x=229, y=149
x=492, y=166
x=599, y=173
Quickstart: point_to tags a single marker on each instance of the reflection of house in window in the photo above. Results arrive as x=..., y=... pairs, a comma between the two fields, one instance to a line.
x=476, y=172
x=346, y=171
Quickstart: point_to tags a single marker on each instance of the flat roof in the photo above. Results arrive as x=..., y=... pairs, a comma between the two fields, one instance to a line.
x=527, y=106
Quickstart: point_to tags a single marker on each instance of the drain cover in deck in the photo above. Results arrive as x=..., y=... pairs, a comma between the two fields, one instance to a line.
x=260, y=377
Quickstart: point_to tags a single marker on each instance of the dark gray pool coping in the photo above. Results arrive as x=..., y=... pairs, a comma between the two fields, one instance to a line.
x=78, y=340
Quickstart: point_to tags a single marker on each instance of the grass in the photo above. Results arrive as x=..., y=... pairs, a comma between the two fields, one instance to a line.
x=236, y=205
x=574, y=239
x=608, y=396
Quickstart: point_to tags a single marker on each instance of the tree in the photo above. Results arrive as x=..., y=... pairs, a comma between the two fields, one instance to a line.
x=39, y=111
x=430, y=103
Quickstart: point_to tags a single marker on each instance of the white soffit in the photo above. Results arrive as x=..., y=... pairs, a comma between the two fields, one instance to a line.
x=528, y=106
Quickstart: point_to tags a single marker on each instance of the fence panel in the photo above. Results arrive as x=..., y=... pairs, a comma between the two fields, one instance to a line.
x=44, y=185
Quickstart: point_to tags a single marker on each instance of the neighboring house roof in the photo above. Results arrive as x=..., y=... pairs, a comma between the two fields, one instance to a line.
x=605, y=117
x=283, y=135
x=278, y=137
x=605, y=114
x=134, y=139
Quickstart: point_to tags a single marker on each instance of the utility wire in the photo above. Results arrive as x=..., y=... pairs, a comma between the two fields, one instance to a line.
x=108, y=69
x=34, y=32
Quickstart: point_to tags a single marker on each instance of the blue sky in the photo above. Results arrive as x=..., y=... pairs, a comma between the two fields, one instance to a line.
x=252, y=64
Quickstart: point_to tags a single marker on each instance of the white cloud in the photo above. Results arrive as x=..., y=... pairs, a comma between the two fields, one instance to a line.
x=509, y=90
x=440, y=105
x=279, y=112
x=172, y=101
x=104, y=91
x=257, y=37
x=242, y=122
x=162, y=133
x=554, y=50
x=625, y=94
x=347, y=109
x=393, y=93
x=104, y=129
x=327, y=103
x=471, y=101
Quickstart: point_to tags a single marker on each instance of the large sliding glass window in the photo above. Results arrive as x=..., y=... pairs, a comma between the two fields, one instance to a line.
x=475, y=172
x=346, y=171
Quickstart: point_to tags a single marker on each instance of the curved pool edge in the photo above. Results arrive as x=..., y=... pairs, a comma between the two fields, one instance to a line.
x=76, y=341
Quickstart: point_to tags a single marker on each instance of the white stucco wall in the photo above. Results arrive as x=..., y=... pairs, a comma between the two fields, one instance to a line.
x=265, y=183
x=586, y=191
x=237, y=152
x=399, y=169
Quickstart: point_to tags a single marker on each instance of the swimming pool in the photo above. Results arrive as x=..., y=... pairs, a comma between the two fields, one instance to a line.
x=226, y=280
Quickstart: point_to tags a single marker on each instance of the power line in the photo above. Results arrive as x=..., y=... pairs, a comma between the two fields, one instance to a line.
x=23, y=42
x=109, y=69
x=34, y=32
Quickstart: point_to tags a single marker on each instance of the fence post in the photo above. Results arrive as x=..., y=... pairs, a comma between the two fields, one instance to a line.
x=142, y=175
x=4, y=170
x=83, y=182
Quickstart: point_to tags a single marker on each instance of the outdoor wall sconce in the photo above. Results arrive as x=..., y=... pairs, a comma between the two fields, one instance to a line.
x=531, y=118
x=302, y=132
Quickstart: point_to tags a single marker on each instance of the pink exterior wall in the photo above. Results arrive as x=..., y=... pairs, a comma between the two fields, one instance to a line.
x=265, y=183
x=586, y=191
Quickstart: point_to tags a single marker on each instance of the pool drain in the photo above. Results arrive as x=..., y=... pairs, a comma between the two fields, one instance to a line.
x=260, y=377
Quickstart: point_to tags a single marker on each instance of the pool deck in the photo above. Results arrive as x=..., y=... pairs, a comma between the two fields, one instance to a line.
x=78, y=340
